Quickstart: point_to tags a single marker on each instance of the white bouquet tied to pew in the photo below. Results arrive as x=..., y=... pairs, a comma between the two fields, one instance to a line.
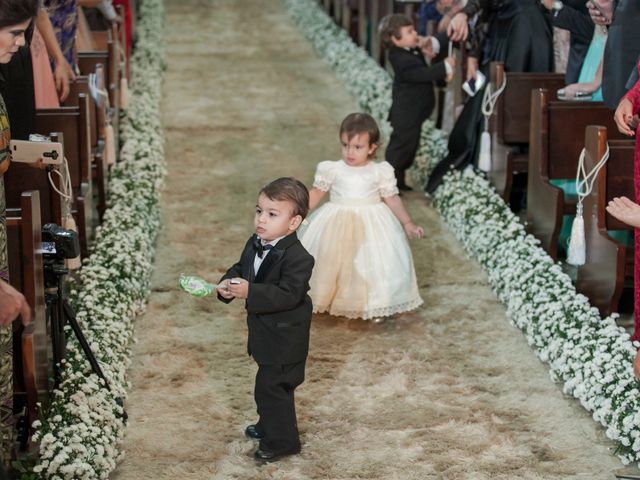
x=489, y=100
x=577, y=253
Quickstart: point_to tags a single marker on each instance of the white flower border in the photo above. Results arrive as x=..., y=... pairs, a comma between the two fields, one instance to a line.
x=80, y=436
x=591, y=356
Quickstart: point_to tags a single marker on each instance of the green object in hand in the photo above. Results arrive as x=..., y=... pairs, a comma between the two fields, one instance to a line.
x=196, y=286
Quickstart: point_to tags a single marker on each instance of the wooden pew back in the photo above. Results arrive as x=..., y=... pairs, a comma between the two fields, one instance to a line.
x=31, y=344
x=602, y=278
x=555, y=142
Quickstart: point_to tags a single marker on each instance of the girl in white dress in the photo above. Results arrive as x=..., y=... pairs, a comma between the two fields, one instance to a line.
x=358, y=238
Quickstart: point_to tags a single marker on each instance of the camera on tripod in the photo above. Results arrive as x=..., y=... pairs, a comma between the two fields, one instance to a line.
x=59, y=243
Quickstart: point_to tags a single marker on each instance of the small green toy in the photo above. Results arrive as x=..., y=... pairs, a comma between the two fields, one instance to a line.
x=196, y=286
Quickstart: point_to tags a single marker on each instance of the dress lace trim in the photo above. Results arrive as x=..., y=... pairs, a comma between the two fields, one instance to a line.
x=370, y=314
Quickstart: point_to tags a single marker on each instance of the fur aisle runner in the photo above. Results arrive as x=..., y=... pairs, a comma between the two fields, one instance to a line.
x=449, y=392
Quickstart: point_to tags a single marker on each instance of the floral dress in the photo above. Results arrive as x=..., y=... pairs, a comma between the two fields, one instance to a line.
x=64, y=18
x=6, y=331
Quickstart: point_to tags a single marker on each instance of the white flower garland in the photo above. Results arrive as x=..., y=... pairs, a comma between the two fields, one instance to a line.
x=590, y=355
x=80, y=436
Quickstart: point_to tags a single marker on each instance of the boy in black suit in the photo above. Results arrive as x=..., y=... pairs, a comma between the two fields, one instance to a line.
x=413, y=97
x=272, y=277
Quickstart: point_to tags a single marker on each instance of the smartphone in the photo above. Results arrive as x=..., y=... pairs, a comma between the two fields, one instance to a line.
x=24, y=151
x=474, y=84
x=234, y=282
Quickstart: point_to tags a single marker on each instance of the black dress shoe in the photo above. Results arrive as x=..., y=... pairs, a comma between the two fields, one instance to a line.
x=252, y=432
x=404, y=188
x=268, y=456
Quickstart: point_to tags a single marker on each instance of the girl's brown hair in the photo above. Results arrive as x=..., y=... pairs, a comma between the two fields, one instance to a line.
x=358, y=123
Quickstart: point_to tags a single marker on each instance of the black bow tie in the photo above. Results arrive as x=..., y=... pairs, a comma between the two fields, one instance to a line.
x=260, y=248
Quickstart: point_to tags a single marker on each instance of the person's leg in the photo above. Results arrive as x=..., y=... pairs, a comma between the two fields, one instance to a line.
x=275, y=386
x=401, y=151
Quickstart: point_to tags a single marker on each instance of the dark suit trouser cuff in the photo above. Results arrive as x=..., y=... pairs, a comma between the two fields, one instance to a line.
x=275, y=399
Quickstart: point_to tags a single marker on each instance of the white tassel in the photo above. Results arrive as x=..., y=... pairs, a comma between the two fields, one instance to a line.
x=109, y=145
x=577, y=253
x=69, y=223
x=484, y=160
x=124, y=93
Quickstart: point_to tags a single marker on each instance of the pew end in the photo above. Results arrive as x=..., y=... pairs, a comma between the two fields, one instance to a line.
x=609, y=262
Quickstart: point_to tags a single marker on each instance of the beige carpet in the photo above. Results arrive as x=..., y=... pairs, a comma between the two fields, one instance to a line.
x=449, y=392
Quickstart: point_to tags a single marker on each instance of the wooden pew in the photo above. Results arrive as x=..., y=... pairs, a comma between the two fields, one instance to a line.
x=31, y=346
x=608, y=261
x=97, y=120
x=73, y=123
x=509, y=124
x=556, y=139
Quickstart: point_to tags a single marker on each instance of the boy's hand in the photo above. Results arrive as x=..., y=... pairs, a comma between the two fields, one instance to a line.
x=451, y=61
x=426, y=45
x=223, y=290
x=239, y=287
x=413, y=231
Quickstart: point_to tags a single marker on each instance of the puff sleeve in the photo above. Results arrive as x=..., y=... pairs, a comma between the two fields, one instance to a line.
x=386, y=180
x=325, y=174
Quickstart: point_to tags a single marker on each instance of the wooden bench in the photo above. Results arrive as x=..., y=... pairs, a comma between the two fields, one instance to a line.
x=73, y=123
x=97, y=121
x=609, y=262
x=509, y=124
x=556, y=138
x=31, y=346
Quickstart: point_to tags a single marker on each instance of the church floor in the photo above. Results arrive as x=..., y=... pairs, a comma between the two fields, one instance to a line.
x=451, y=391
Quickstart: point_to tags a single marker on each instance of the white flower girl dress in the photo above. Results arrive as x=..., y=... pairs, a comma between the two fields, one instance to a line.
x=364, y=268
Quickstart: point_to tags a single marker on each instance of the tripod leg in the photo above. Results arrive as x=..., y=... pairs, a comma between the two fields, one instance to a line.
x=71, y=318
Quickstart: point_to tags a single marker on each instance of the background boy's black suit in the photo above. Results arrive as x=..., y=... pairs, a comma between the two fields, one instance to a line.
x=279, y=318
x=413, y=101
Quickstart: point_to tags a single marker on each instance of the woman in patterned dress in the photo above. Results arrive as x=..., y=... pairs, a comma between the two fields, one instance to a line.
x=15, y=18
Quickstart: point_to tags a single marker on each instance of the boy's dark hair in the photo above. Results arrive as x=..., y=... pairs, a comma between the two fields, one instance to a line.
x=290, y=190
x=13, y=12
x=390, y=25
x=357, y=123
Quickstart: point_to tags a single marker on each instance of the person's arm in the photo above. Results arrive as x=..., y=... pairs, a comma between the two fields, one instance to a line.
x=579, y=24
x=235, y=271
x=587, y=87
x=12, y=304
x=288, y=293
x=63, y=73
x=628, y=107
x=412, y=70
x=315, y=195
x=394, y=202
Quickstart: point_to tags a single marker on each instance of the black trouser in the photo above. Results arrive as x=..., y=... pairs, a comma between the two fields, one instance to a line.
x=402, y=148
x=274, y=394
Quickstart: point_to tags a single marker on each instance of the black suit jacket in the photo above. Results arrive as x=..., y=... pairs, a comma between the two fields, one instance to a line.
x=621, y=52
x=413, y=97
x=278, y=307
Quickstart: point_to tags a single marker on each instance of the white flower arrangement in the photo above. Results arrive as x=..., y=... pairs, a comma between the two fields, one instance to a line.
x=591, y=356
x=82, y=428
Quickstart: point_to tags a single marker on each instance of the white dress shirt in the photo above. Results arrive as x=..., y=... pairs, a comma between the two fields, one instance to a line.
x=257, y=261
